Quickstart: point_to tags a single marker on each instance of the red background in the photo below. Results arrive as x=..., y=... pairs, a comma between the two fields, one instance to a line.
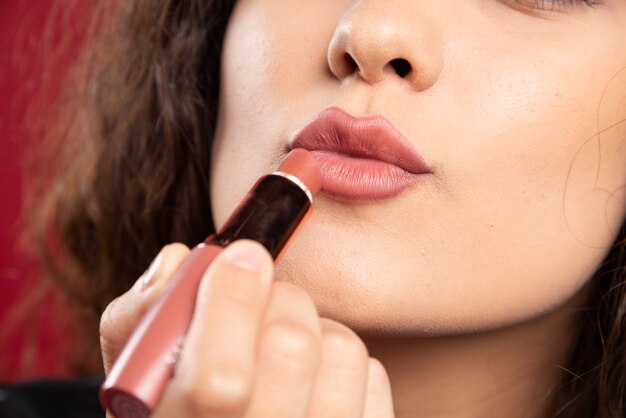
x=33, y=60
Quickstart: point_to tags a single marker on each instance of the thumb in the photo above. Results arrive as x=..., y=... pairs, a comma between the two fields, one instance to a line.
x=123, y=314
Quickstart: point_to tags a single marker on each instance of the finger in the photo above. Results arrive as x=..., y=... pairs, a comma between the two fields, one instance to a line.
x=342, y=375
x=123, y=314
x=215, y=371
x=288, y=355
x=378, y=399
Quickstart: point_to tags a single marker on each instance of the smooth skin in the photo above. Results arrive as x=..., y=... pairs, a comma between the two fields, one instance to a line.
x=466, y=288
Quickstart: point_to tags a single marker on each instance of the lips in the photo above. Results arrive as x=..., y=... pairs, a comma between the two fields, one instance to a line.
x=361, y=158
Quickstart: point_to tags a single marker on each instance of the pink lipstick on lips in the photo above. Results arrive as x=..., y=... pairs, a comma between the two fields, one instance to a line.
x=360, y=158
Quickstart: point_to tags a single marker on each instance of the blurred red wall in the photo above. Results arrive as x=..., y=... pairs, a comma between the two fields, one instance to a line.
x=31, y=343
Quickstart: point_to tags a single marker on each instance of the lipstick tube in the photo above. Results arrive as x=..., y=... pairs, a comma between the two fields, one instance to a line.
x=271, y=213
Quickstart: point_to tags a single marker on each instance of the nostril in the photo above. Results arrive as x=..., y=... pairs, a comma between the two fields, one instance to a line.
x=401, y=66
x=350, y=64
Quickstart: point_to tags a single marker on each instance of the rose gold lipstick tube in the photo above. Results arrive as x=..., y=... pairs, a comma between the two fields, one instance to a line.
x=271, y=213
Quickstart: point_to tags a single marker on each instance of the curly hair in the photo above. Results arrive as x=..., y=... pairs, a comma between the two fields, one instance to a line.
x=134, y=170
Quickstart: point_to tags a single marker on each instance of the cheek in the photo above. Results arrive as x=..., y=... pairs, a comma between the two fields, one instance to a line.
x=535, y=195
x=595, y=189
x=553, y=135
x=273, y=53
x=555, y=186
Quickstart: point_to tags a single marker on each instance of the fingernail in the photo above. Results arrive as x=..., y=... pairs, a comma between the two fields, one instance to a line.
x=149, y=277
x=245, y=255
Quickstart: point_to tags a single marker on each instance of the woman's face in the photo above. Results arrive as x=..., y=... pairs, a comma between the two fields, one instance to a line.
x=515, y=105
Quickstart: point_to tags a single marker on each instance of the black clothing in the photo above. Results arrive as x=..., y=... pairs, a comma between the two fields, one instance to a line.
x=52, y=398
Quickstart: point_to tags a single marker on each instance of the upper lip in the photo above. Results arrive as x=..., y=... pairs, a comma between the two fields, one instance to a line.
x=371, y=137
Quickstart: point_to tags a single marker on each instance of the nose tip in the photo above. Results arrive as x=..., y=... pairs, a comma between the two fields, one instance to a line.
x=375, y=48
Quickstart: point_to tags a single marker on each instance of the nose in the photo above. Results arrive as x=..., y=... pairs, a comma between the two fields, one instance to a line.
x=382, y=39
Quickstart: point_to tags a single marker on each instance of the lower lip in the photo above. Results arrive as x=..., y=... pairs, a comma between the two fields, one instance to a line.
x=357, y=178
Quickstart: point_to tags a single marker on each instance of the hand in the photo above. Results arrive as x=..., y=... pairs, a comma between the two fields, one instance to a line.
x=255, y=348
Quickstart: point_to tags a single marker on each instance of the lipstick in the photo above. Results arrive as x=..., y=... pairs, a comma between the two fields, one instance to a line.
x=271, y=213
x=361, y=158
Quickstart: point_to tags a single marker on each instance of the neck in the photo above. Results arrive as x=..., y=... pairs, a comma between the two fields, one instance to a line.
x=511, y=372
